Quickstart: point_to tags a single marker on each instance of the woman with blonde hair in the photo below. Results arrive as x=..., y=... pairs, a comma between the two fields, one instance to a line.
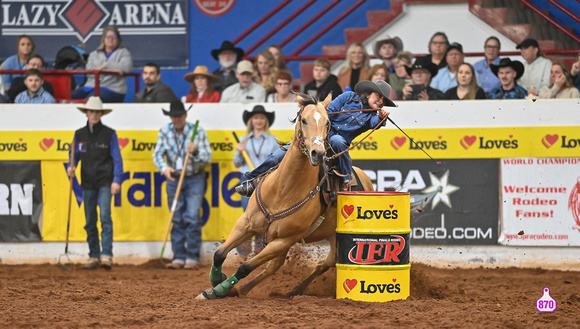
x=265, y=70
x=356, y=66
x=467, y=87
x=201, y=90
x=561, y=85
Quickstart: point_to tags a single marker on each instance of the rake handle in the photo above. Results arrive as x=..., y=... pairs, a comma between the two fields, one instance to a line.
x=244, y=153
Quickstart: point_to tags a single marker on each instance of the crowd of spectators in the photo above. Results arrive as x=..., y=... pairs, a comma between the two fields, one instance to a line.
x=442, y=74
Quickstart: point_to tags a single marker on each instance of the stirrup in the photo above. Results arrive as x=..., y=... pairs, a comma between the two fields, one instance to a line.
x=246, y=188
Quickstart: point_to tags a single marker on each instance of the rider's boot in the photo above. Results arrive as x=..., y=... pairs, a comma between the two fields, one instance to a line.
x=246, y=188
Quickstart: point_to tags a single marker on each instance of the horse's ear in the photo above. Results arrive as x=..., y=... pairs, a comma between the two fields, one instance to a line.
x=327, y=100
x=299, y=99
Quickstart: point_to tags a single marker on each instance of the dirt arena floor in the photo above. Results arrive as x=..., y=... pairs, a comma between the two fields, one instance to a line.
x=148, y=296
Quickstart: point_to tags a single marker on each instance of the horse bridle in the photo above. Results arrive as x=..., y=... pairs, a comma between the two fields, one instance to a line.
x=316, y=140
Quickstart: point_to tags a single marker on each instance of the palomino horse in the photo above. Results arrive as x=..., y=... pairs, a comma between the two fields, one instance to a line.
x=289, y=196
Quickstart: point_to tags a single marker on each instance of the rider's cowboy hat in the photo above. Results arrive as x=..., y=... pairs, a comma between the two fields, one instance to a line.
x=176, y=109
x=200, y=70
x=379, y=86
x=423, y=63
x=505, y=62
x=94, y=103
x=258, y=109
x=227, y=45
x=396, y=42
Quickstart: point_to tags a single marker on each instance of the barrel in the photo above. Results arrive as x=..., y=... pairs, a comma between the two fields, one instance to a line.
x=372, y=246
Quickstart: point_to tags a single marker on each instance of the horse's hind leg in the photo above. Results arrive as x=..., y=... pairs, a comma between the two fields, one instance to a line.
x=270, y=269
x=320, y=268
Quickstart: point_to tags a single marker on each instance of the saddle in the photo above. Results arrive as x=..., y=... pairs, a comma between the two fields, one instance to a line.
x=329, y=190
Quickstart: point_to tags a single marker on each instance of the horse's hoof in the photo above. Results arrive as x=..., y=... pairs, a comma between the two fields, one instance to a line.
x=207, y=294
x=214, y=284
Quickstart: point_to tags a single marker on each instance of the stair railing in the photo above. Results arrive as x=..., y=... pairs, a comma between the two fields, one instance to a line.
x=550, y=19
x=261, y=21
x=565, y=10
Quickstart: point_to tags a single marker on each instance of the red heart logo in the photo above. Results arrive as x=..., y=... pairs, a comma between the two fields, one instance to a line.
x=123, y=142
x=391, y=206
x=46, y=143
x=467, y=141
x=349, y=284
x=227, y=139
x=440, y=137
x=549, y=140
x=394, y=280
x=20, y=139
x=346, y=211
x=397, y=142
x=511, y=136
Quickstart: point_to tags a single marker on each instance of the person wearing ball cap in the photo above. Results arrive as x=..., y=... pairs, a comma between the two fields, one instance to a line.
x=345, y=127
x=97, y=147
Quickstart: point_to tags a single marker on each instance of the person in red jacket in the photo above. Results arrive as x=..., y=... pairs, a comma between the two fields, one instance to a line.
x=201, y=86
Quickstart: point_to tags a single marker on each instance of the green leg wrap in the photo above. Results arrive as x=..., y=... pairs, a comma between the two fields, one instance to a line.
x=215, y=275
x=222, y=289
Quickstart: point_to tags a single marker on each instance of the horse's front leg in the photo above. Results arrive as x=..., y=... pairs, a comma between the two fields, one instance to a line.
x=321, y=267
x=239, y=234
x=270, y=269
x=273, y=250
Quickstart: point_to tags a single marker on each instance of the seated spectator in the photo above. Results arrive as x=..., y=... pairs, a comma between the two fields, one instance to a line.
x=265, y=70
x=400, y=78
x=537, y=67
x=276, y=51
x=386, y=50
x=574, y=71
x=561, y=85
x=446, y=77
x=437, y=49
x=34, y=93
x=228, y=56
x=18, y=86
x=25, y=47
x=323, y=81
x=246, y=90
x=508, y=72
x=283, y=86
x=421, y=72
x=110, y=56
x=356, y=66
x=467, y=87
x=379, y=72
x=485, y=78
x=155, y=90
x=201, y=90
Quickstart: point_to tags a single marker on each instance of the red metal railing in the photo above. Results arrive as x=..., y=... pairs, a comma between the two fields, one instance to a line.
x=307, y=24
x=550, y=19
x=261, y=21
x=75, y=72
x=565, y=10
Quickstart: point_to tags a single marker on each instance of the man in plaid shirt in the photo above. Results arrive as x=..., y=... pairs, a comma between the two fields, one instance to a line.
x=169, y=156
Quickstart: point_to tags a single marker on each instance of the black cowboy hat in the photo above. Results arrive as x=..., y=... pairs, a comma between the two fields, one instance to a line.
x=176, y=109
x=379, y=86
x=423, y=63
x=258, y=109
x=505, y=62
x=227, y=45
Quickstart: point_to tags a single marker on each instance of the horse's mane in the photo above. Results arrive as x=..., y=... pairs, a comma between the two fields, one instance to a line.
x=303, y=101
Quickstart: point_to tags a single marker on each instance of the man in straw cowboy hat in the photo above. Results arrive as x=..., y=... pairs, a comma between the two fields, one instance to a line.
x=155, y=90
x=97, y=147
x=228, y=56
x=344, y=128
x=508, y=72
x=169, y=155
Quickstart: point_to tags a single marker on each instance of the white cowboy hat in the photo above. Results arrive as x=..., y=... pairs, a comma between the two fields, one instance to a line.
x=94, y=103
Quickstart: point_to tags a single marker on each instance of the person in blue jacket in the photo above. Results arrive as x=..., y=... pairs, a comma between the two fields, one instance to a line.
x=345, y=127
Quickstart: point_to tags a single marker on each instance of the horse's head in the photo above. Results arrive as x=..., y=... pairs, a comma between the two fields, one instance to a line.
x=312, y=127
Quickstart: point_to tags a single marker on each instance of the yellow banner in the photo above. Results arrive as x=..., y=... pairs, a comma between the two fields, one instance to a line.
x=140, y=212
x=444, y=143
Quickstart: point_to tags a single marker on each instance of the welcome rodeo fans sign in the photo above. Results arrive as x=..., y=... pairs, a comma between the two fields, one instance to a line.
x=143, y=24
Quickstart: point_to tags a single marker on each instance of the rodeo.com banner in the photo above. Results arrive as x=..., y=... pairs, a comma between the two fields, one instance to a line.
x=144, y=26
x=459, y=202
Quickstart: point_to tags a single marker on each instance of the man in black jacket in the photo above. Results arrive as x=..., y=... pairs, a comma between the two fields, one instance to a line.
x=97, y=147
x=155, y=90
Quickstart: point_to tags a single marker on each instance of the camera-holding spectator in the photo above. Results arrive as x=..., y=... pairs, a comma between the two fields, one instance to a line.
x=201, y=90
x=485, y=77
x=246, y=90
x=561, y=85
x=537, y=67
x=508, y=72
x=34, y=93
x=386, y=50
x=228, y=56
x=155, y=90
x=446, y=77
x=400, y=78
x=323, y=81
x=467, y=87
x=421, y=73
x=18, y=86
x=575, y=72
x=356, y=66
